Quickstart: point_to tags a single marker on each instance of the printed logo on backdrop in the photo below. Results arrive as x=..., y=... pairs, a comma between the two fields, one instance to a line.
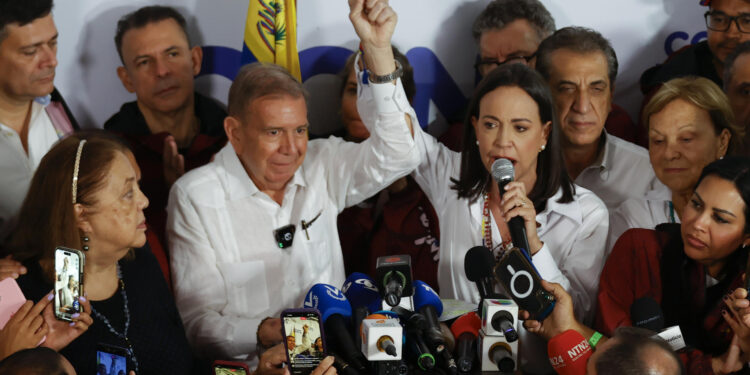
x=677, y=40
x=432, y=79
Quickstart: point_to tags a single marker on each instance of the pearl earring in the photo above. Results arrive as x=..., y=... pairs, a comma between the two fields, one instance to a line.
x=477, y=143
x=85, y=240
x=542, y=148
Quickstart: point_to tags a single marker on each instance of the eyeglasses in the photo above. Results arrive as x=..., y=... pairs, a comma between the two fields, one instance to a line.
x=487, y=65
x=718, y=21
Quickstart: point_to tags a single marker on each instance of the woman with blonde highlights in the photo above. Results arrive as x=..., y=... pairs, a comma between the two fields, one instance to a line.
x=690, y=124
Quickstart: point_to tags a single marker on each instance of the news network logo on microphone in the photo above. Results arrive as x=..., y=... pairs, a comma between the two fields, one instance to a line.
x=366, y=283
x=312, y=301
x=573, y=354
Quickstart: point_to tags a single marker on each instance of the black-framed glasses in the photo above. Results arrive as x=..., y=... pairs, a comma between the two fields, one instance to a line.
x=484, y=66
x=719, y=21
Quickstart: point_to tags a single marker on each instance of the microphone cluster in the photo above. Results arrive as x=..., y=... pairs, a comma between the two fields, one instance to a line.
x=385, y=326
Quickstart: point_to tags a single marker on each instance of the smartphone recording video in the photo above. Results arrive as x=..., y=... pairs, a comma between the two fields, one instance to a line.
x=111, y=360
x=303, y=339
x=68, y=285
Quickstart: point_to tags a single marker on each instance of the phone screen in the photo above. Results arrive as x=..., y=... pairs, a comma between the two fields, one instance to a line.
x=67, y=283
x=304, y=343
x=111, y=363
x=229, y=370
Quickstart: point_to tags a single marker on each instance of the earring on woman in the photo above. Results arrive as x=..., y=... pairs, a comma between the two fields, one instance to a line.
x=542, y=148
x=85, y=240
x=477, y=142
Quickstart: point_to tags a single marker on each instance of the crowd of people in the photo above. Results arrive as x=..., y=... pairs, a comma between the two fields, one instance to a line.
x=201, y=222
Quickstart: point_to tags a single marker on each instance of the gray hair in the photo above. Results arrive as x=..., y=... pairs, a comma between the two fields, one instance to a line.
x=500, y=13
x=579, y=40
x=261, y=79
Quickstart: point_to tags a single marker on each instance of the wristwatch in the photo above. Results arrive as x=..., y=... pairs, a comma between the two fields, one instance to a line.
x=388, y=77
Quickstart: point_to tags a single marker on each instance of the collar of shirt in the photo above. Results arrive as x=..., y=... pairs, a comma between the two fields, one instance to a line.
x=570, y=209
x=239, y=183
x=659, y=193
x=44, y=100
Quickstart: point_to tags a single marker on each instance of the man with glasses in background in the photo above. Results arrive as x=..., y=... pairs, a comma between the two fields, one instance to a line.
x=727, y=24
x=509, y=32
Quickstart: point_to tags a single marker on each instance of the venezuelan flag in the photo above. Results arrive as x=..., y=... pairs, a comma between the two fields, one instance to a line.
x=271, y=34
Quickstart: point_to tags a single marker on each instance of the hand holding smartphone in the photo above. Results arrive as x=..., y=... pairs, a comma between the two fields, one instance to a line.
x=303, y=340
x=68, y=282
x=520, y=279
x=112, y=359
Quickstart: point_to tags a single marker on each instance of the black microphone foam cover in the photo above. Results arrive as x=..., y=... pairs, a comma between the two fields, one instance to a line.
x=478, y=263
x=646, y=313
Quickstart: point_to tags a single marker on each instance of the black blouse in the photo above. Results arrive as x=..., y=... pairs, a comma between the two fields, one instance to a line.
x=156, y=331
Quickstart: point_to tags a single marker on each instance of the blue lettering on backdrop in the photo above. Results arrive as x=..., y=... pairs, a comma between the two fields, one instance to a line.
x=432, y=79
x=669, y=42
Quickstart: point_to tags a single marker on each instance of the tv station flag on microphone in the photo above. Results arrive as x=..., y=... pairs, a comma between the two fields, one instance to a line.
x=271, y=34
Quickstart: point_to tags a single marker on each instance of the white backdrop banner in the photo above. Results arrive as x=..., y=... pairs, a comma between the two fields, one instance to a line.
x=434, y=34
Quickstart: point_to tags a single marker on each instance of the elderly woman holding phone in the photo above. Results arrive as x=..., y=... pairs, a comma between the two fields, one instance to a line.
x=85, y=195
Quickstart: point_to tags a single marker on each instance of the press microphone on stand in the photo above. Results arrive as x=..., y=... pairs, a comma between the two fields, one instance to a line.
x=394, y=278
x=364, y=298
x=428, y=303
x=336, y=314
x=415, y=324
x=466, y=331
x=502, y=173
x=646, y=313
x=478, y=263
x=568, y=353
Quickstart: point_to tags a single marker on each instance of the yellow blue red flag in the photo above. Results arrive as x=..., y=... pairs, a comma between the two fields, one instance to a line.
x=271, y=34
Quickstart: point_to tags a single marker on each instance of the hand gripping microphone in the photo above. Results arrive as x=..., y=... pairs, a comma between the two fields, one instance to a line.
x=466, y=330
x=428, y=303
x=568, y=353
x=502, y=173
x=394, y=278
x=646, y=313
x=336, y=314
x=478, y=263
x=364, y=298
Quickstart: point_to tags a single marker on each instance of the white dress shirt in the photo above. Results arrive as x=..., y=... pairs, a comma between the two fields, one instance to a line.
x=17, y=167
x=647, y=212
x=228, y=271
x=622, y=171
x=573, y=233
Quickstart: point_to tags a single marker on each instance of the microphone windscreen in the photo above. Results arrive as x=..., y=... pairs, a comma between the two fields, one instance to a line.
x=568, y=353
x=646, y=313
x=329, y=300
x=424, y=295
x=478, y=263
x=502, y=170
x=466, y=323
x=360, y=290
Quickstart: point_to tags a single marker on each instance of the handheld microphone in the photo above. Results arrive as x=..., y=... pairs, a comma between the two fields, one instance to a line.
x=466, y=329
x=502, y=321
x=394, y=278
x=568, y=353
x=364, y=298
x=478, y=263
x=336, y=314
x=502, y=173
x=428, y=303
x=415, y=324
x=646, y=313
x=342, y=367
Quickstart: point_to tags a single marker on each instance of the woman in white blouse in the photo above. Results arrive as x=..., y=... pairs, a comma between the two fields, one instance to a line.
x=690, y=124
x=512, y=116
